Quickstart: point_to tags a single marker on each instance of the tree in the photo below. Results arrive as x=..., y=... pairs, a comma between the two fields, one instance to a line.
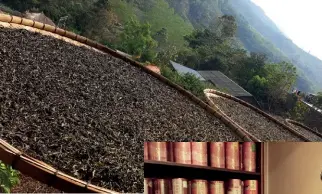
x=103, y=29
x=79, y=12
x=143, y=4
x=188, y=81
x=136, y=39
x=225, y=27
x=22, y=5
x=211, y=49
x=280, y=79
x=165, y=55
x=161, y=37
x=103, y=4
x=299, y=111
x=318, y=100
x=249, y=67
x=201, y=38
x=258, y=86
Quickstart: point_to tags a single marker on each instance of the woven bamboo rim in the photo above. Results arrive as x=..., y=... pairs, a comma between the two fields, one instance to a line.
x=212, y=93
x=289, y=121
x=238, y=127
x=45, y=173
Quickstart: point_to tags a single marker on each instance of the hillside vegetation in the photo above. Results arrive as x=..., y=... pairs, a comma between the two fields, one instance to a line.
x=257, y=33
x=233, y=36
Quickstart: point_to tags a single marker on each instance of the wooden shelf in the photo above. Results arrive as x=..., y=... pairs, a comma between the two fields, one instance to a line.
x=157, y=169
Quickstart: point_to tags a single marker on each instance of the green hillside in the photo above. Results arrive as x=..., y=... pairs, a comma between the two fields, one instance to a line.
x=158, y=14
x=309, y=66
x=257, y=33
x=177, y=18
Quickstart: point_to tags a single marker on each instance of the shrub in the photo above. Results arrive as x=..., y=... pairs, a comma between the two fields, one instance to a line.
x=136, y=39
x=8, y=178
x=299, y=111
x=187, y=81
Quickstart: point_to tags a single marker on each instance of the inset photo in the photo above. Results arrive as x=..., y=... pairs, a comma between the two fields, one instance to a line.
x=232, y=168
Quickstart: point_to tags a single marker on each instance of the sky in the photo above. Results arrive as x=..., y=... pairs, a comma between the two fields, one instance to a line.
x=300, y=20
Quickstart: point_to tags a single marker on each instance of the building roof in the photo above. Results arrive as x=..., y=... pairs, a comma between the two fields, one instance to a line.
x=183, y=70
x=217, y=78
x=220, y=80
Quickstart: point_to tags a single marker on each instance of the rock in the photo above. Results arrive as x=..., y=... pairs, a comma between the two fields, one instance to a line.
x=39, y=17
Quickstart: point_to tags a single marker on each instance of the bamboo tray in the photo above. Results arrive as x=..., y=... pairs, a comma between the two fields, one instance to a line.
x=44, y=172
x=289, y=121
x=45, y=29
x=214, y=93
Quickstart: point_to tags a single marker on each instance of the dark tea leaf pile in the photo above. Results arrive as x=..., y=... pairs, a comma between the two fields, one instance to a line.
x=87, y=113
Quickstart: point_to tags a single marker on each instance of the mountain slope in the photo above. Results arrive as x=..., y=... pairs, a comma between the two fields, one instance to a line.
x=257, y=32
x=308, y=64
x=159, y=15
